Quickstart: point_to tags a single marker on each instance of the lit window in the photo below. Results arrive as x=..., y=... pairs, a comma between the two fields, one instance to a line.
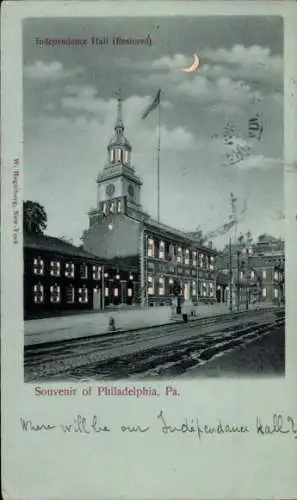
x=187, y=257
x=179, y=255
x=201, y=259
x=276, y=275
x=96, y=272
x=194, y=258
x=150, y=247
x=211, y=289
x=119, y=209
x=38, y=266
x=117, y=277
x=55, y=268
x=105, y=275
x=83, y=295
x=204, y=293
x=161, y=250
x=170, y=281
x=69, y=271
x=212, y=258
x=204, y=284
x=264, y=275
x=129, y=292
x=264, y=292
x=83, y=271
x=104, y=208
x=106, y=292
x=70, y=294
x=131, y=277
x=150, y=285
x=241, y=275
x=38, y=293
x=252, y=275
x=161, y=286
x=116, y=292
x=275, y=293
x=194, y=288
x=55, y=294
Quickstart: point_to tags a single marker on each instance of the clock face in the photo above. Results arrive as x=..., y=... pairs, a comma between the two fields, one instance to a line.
x=131, y=191
x=110, y=189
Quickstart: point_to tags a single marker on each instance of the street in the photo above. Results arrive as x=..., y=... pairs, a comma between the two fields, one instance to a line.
x=251, y=343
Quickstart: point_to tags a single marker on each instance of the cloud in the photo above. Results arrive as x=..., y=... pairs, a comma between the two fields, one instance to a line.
x=255, y=162
x=44, y=72
x=245, y=56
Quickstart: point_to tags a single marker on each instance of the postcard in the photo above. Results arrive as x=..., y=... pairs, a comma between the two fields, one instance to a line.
x=148, y=250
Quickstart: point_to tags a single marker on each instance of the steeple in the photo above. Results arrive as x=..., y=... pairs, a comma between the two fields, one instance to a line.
x=119, y=125
x=119, y=149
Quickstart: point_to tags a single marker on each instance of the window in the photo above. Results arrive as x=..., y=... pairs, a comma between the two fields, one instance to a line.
x=112, y=207
x=55, y=268
x=150, y=247
x=264, y=275
x=170, y=281
x=105, y=275
x=201, y=259
x=150, y=285
x=194, y=259
x=55, y=294
x=38, y=266
x=96, y=272
x=275, y=293
x=252, y=275
x=129, y=292
x=119, y=206
x=212, y=263
x=194, y=288
x=171, y=252
x=241, y=275
x=38, y=295
x=126, y=157
x=264, y=292
x=162, y=250
x=112, y=155
x=206, y=261
x=161, y=287
x=211, y=289
x=276, y=276
x=84, y=271
x=116, y=292
x=106, y=292
x=70, y=294
x=83, y=295
x=187, y=257
x=118, y=155
x=69, y=271
x=179, y=255
x=104, y=208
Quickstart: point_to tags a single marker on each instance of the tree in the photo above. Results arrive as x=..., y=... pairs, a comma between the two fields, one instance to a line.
x=34, y=217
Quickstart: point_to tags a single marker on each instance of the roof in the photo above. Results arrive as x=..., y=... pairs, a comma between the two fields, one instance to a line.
x=52, y=244
x=154, y=224
x=57, y=245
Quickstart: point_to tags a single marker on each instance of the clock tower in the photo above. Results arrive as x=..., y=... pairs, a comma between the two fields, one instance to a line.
x=118, y=185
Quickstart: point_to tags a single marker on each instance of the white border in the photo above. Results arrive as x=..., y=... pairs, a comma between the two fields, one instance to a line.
x=109, y=467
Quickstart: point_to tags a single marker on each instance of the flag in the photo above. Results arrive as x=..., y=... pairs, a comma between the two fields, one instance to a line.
x=153, y=105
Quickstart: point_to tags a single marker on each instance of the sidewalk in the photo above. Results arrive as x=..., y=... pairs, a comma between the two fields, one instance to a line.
x=87, y=325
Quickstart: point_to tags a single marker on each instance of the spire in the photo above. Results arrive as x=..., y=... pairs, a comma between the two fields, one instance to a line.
x=119, y=125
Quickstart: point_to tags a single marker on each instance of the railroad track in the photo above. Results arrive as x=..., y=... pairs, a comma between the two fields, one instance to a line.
x=174, y=357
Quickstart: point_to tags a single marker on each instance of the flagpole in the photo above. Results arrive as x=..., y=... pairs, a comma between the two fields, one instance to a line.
x=158, y=161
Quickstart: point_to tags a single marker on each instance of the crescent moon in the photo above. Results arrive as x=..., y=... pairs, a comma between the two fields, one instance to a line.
x=193, y=66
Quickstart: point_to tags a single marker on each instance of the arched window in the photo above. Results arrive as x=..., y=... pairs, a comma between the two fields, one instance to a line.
x=126, y=156
x=118, y=154
x=112, y=155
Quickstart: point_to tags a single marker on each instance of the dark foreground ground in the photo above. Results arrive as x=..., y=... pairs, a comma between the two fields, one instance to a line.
x=251, y=344
x=264, y=356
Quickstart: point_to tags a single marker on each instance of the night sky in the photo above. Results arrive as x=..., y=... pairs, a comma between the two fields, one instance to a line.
x=70, y=110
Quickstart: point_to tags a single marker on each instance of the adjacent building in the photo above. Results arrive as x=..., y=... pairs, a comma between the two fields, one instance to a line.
x=119, y=228
x=60, y=277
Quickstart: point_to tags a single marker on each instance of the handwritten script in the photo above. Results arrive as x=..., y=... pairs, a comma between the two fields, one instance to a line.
x=278, y=425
